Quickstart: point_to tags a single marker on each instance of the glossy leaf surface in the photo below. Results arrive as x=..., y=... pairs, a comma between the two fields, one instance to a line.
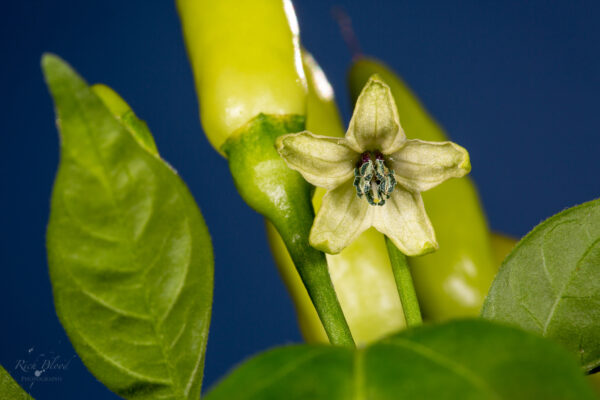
x=468, y=359
x=130, y=257
x=550, y=282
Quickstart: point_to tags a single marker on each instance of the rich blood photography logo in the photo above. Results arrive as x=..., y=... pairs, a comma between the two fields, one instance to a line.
x=41, y=367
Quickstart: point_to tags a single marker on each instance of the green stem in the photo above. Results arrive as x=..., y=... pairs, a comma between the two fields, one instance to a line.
x=281, y=195
x=311, y=265
x=404, y=283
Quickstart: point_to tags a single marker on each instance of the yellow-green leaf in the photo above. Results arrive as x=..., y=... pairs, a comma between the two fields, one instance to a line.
x=129, y=253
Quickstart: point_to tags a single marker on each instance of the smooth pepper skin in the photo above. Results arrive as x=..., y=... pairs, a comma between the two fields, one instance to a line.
x=453, y=281
x=245, y=57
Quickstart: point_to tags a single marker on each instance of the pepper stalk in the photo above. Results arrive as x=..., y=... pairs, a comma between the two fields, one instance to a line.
x=246, y=60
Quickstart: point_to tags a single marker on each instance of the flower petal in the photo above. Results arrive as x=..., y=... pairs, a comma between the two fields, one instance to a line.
x=323, y=161
x=343, y=216
x=419, y=165
x=375, y=124
x=404, y=221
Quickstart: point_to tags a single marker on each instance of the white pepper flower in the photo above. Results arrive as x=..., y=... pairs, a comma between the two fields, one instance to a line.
x=374, y=176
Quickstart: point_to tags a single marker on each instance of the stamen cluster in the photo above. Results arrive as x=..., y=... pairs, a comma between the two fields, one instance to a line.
x=373, y=179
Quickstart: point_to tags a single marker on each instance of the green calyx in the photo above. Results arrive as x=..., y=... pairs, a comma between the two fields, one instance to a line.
x=280, y=194
x=260, y=175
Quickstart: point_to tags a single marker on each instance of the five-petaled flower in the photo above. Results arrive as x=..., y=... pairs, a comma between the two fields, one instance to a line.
x=374, y=176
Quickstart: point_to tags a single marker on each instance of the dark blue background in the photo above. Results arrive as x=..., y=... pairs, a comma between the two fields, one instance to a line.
x=517, y=84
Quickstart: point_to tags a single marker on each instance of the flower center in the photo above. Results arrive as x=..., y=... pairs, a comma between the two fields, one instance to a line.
x=373, y=179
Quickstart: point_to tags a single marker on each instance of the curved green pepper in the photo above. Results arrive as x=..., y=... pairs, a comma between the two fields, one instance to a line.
x=453, y=281
x=246, y=61
x=363, y=280
x=247, y=66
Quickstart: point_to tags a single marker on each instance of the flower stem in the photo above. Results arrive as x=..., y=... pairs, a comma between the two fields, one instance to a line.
x=282, y=196
x=311, y=265
x=404, y=283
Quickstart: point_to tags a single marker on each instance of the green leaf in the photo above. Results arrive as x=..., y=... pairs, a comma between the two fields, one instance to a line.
x=9, y=389
x=468, y=359
x=130, y=256
x=550, y=283
x=122, y=112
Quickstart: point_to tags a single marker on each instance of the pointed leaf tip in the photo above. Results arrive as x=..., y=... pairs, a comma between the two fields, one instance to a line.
x=109, y=191
x=50, y=62
x=48, y=58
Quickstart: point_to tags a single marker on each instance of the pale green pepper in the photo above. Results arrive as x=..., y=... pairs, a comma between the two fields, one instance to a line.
x=246, y=61
x=361, y=273
x=453, y=281
x=250, y=82
x=363, y=280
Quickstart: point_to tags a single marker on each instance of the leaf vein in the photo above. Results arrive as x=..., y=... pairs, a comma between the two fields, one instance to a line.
x=106, y=305
x=565, y=286
x=282, y=372
x=446, y=363
x=120, y=366
x=530, y=313
x=359, y=378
